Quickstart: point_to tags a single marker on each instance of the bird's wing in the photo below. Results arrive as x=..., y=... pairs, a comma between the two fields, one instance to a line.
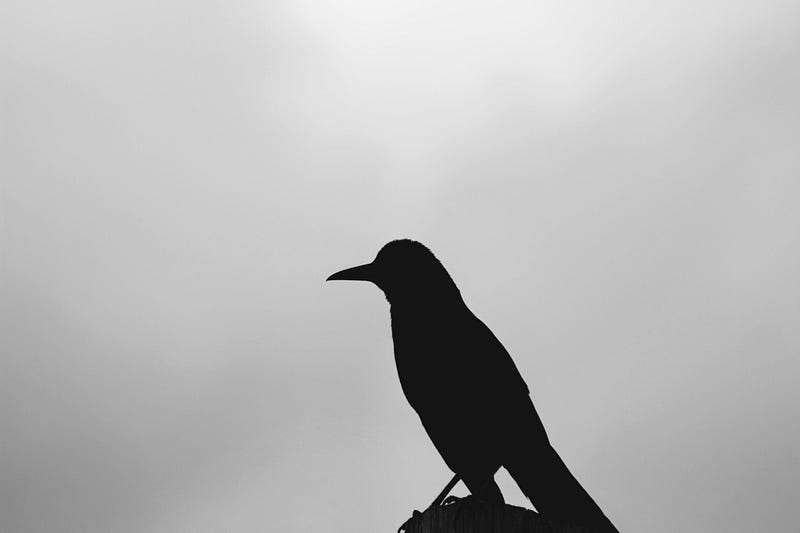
x=473, y=414
x=492, y=364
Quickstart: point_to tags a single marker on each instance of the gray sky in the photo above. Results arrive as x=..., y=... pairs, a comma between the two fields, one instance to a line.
x=614, y=187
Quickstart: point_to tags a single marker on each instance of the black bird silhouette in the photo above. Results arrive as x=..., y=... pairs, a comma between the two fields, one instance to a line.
x=468, y=393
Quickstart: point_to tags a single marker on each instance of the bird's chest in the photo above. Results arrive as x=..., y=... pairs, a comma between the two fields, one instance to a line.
x=425, y=354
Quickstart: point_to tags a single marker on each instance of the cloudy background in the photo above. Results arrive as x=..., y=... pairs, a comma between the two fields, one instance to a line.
x=614, y=186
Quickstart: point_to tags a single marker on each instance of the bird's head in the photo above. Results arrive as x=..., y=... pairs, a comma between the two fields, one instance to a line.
x=404, y=270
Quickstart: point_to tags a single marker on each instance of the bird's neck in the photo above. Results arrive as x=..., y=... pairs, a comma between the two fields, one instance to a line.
x=424, y=307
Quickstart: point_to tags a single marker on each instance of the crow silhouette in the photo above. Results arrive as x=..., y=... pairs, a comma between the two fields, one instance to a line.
x=468, y=393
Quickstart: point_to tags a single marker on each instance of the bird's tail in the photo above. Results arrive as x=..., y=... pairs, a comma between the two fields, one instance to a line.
x=547, y=482
x=556, y=494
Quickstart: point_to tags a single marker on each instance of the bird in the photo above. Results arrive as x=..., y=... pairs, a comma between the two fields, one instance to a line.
x=468, y=393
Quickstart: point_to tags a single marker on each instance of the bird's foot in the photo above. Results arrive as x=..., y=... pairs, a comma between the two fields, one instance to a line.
x=456, y=500
x=407, y=524
x=450, y=500
x=463, y=508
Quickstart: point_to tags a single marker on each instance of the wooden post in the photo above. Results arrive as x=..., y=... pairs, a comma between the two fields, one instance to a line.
x=473, y=517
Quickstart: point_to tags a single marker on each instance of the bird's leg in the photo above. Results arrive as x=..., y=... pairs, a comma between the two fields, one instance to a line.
x=481, y=494
x=438, y=501
x=486, y=491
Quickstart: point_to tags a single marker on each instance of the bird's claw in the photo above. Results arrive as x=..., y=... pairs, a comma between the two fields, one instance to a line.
x=460, y=504
x=414, y=516
x=450, y=500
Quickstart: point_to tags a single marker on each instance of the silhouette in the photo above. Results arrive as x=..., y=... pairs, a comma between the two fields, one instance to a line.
x=468, y=393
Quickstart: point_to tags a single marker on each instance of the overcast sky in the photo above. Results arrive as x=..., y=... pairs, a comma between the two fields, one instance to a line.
x=614, y=186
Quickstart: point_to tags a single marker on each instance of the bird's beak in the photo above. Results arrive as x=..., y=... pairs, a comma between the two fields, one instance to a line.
x=357, y=273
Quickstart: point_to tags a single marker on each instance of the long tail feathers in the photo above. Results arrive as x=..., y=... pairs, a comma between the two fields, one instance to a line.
x=554, y=491
x=546, y=480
